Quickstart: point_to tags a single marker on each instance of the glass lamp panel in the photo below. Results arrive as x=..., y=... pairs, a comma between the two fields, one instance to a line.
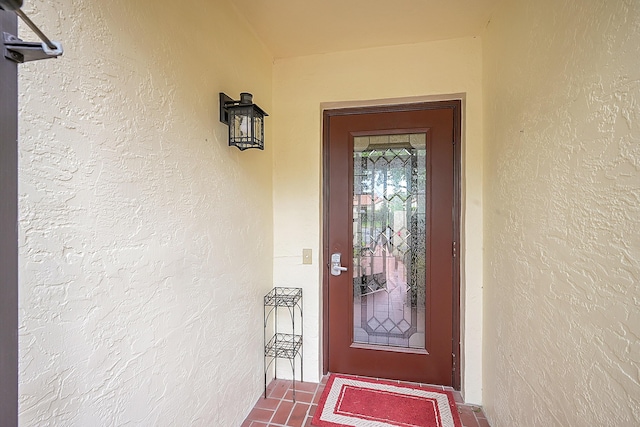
x=240, y=127
x=258, y=130
x=246, y=127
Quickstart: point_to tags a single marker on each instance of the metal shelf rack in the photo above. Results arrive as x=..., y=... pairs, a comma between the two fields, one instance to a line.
x=283, y=346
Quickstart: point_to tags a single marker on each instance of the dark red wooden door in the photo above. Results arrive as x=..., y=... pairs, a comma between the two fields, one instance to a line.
x=391, y=214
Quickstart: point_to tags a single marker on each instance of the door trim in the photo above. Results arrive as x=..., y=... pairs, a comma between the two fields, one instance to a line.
x=8, y=230
x=456, y=106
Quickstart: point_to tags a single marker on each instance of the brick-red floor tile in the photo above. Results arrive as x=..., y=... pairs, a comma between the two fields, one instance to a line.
x=467, y=416
x=282, y=413
x=301, y=396
x=278, y=388
x=268, y=403
x=298, y=415
x=308, y=387
x=260, y=414
x=318, y=395
x=312, y=410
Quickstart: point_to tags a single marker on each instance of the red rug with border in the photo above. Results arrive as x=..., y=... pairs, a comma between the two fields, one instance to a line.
x=364, y=402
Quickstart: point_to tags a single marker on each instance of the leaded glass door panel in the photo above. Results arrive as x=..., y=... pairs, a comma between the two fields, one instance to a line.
x=389, y=239
x=391, y=198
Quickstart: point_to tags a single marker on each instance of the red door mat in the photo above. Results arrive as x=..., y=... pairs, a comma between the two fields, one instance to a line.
x=363, y=402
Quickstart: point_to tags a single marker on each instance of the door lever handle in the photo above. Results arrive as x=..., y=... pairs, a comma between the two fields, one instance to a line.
x=336, y=268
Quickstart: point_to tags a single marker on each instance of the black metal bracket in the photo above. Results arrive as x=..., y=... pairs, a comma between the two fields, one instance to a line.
x=224, y=113
x=20, y=51
x=10, y=4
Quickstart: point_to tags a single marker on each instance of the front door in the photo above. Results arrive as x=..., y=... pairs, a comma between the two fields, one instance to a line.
x=391, y=217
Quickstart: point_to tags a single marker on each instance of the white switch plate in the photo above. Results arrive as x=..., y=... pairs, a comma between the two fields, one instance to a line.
x=306, y=256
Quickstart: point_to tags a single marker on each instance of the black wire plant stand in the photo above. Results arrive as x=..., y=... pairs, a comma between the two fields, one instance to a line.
x=283, y=345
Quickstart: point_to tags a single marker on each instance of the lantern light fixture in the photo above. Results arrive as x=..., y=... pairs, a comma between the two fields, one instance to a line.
x=245, y=121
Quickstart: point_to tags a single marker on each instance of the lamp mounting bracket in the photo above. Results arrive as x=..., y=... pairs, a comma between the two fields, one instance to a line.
x=224, y=112
x=20, y=51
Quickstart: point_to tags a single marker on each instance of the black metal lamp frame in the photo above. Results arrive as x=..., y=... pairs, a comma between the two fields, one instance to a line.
x=245, y=121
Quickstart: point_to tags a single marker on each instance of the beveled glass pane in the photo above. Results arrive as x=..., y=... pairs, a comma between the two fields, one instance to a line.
x=246, y=127
x=389, y=240
x=258, y=130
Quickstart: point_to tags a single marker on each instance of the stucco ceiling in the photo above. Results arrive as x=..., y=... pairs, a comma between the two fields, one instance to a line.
x=303, y=27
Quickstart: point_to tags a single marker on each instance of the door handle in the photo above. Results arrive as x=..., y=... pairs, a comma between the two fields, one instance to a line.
x=336, y=268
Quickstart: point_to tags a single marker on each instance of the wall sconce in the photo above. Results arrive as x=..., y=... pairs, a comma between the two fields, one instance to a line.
x=245, y=121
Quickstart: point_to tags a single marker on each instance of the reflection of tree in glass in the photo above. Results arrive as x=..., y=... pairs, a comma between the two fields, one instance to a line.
x=392, y=182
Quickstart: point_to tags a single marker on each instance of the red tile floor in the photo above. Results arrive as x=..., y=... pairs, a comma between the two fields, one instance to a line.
x=279, y=409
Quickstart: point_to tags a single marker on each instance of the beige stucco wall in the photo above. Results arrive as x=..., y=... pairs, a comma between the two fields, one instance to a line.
x=302, y=87
x=145, y=241
x=562, y=214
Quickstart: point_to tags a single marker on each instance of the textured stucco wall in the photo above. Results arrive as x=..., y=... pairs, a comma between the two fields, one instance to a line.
x=562, y=213
x=145, y=242
x=409, y=73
